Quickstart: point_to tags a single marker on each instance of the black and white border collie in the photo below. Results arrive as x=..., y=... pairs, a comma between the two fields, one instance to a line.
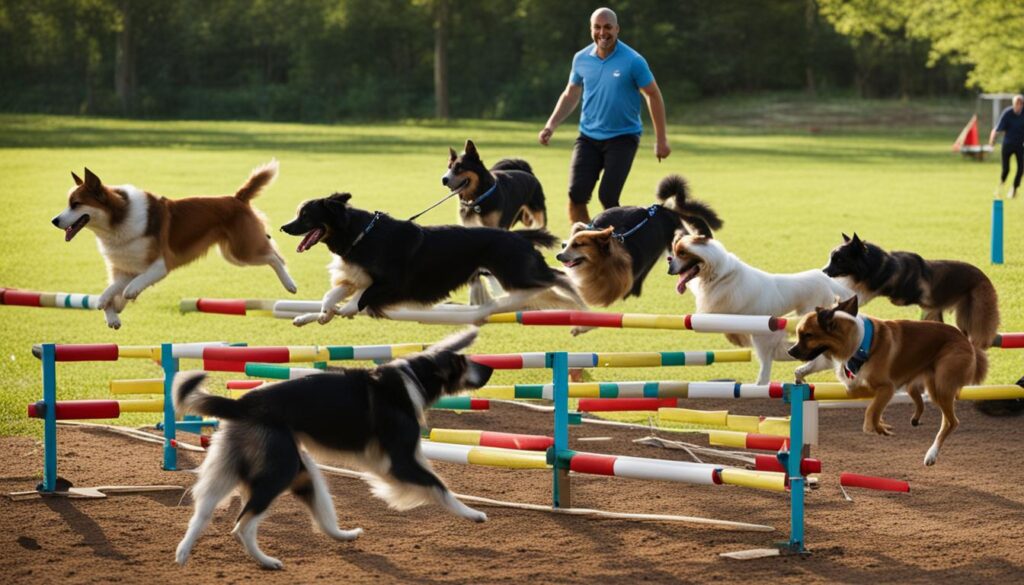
x=372, y=416
x=382, y=262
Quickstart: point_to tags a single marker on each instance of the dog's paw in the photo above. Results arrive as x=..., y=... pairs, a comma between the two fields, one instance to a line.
x=477, y=516
x=114, y=322
x=271, y=563
x=290, y=287
x=915, y=421
x=181, y=555
x=303, y=320
x=325, y=317
x=104, y=301
x=931, y=456
x=580, y=330
x=346, y=535
x=131, y=292
x=884, y=429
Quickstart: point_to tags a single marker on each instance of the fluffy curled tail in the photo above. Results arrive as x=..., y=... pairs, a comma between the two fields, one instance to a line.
x=978, y=315
x=189, y=397
x=674, y=192
x=261, y=177
x=539, y=238
x=512, y=164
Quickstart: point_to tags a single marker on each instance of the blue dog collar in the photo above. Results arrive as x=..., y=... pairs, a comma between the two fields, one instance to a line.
x=475, y=204
x=650, y=213
x=366, y=230
x=864, y=351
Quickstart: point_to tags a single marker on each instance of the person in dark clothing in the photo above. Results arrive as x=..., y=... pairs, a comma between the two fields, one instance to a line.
x=1011, y=123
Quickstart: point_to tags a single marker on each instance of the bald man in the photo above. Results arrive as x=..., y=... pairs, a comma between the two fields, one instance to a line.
x=611, y=78
x=1011, y=123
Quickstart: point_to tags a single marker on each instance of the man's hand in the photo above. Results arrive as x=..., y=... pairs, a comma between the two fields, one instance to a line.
x=545, y=135
x=662, y=149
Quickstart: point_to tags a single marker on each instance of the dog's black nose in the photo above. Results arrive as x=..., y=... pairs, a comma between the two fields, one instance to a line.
x=444, y=180
x=55, y=221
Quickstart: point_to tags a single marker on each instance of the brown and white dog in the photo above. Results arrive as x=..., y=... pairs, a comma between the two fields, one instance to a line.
x=142, y=237
x=873, y=357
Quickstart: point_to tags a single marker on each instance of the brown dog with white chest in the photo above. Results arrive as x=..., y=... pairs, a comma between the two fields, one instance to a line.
x=873, y=357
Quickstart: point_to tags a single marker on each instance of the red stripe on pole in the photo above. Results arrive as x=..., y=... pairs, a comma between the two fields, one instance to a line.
x=22, y=298
x=776, y=323
x=273, y=355
x=500, y=362
x=1006, y=340
x=222, y=306
x=2, y=292
x=80, y=409
x=687, y=321
x=772, y=463
x=479, y=404
x=100, y=352
x=546, y=317
x=764, y=442
x=873, y=483
x=223, y=366
x=243, y=384
x=587, y=319
x=592, y=463
x=204, y=441
x=624, y=404
x=515, y=441
x=775, y=389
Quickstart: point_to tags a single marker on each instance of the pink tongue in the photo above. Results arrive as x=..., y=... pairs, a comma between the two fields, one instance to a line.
x=73, y=229
x=312, y=237
x=684, y=278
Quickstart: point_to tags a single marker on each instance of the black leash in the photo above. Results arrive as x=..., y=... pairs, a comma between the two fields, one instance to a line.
x=446, y=198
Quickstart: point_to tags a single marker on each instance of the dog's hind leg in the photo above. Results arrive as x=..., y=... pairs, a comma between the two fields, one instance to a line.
x=311, y=488
x=277, y=263
x=914, y=390
x=478, y=294
x=416, y=470
x=943, y=392
x=216, y=482
x=262, y=491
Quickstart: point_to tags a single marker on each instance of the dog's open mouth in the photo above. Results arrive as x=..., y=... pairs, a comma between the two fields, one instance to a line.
x=686, y=276
x=573, y=263
x=457, y=188
x=311, y=239
x=73, y=229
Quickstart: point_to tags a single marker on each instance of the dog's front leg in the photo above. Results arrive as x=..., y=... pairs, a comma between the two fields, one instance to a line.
x=873, y=422
x=764, y=347
x=818, y=364
x=327, y=307
x=351, y=308
x=118, y=280
x=151, y=275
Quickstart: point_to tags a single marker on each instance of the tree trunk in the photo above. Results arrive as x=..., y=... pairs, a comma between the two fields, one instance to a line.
x=441, y=59
x=124, y=67
x=810, y=51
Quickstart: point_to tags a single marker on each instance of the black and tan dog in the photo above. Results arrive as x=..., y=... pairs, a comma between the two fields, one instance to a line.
x=610, y=258
x=371, y=416
x=908, y=279
x=498, y=197
x=873, y=357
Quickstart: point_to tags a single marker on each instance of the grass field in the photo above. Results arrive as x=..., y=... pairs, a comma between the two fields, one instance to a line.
x=785, y=193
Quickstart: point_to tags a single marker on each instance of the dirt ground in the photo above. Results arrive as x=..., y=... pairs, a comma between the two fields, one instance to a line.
x=962, y=522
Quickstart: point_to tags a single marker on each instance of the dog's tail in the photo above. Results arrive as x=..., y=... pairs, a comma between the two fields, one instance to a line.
x=539, y=238
x=261, y=177
x=190, y=397
x=512, y=164
x=674, y=193
x=980, y=365
x=978, y=314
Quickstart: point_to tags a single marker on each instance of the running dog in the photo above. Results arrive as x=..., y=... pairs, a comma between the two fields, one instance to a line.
x=873, y=357
x=142, y=237
x=507, y=193
x=371, y=416
x=908, y=279
x=383, y=262
x=610, y=258
x=722, y=283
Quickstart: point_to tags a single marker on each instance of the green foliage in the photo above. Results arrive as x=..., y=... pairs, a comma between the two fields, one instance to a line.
x=786, y=194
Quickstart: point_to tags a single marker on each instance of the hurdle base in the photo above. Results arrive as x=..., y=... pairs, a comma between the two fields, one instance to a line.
x=66, y=490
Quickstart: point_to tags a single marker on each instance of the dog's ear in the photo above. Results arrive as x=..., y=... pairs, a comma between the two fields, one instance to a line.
x=470, y=149
x=457, y=341
x=452, y=155
x=78, y=180
x=826, y=318
x=849, y=306
x=342, y=198
x=846, y=239
x=698, y=226
x=579, y=226
x=335, y=204
x=92, y=181
x=856, y=239
x=605, y=235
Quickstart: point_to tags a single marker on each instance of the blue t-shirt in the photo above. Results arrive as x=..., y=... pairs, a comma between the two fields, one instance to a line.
x=1013, y=125
x=611, y=90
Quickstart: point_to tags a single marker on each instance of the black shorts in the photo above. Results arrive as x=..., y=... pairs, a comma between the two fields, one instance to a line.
x=614, y=156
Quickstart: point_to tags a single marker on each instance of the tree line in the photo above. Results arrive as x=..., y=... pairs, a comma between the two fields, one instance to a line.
x=328, y=60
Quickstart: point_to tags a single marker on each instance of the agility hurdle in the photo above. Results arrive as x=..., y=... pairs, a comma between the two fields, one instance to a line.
x=51, y=410
x=57, y=300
